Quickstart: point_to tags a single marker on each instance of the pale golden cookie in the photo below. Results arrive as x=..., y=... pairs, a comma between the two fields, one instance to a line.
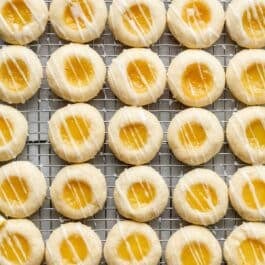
x=245, y=134
x=196, y=23
x=201, y=197
x=13, y=132
x=245, y=76
x=76, y=132
x=76, y=72
x=245, y=22
x=78, y=20
x=195, y=136
x=131, y=243
x=134, y=135
x=137, y=23
x=193, y=245
x=22, y=21
x=73, y=243
x=137, y=77
x=140, y=193
x=196, y=78
x=21, y=243
x=245, y=245
x=79, y=191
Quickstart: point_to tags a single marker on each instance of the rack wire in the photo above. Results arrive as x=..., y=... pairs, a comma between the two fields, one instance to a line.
x=38, y=150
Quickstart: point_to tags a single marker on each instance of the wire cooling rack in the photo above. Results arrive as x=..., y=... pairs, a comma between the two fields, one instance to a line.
x=38, y=150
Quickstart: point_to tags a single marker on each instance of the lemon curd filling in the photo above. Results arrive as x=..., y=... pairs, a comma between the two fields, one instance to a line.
x=77, y=13
x=77, y=194
x=255, y=133
x=251, y=252
x=192, y=134
x=14, y=74
x=134, y=135
x=134, y=247
x=195, y=253
x=140, y=194
x=73, y=250
x=15, y=248
x=14, y=190
x=253, y=194
x=253, y=79
x=141, y=75
x=138, y=19
x=75, y=130
x=78, y=71
x=196, y=14
x=197, y=81
x=253, y=21
x=6, y=131
x=16, y=13
x=201, y=197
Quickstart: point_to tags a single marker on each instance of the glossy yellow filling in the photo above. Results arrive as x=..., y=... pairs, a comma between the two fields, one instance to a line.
x=77, y=13
x=134, y=247
x=192, y=134
x=138, y=19
x=77, y=194
x=73, y=250
x=16, y=13
x=253, y=79
x=253, y=21
x=75, y=130
x=141, y=75
x=6, y=131
x=78, y=71
x=253, y=194
x=14, y=190
x=197, y=81
x=201, y=197
x=15, y=248
x=196, y=14
x=255, y=133
x=195, y=253
x=134, y=136
x=140, y=194
x=251, y=252
x=14, y=74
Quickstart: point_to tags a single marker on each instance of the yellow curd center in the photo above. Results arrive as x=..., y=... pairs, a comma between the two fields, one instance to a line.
x=253, y=194
x=75, y=130
x=192, y=134
x=253, y=21
x=77, y=194
x=16, y=249
x=6, y=131
x=134, y=136
x=253, y=79
x=201, y=197
x=196, y=14
x=251, y=252
x=140, y=194
x=78, y=71
x=134, y=247
x=141, y=75
x=137, y=19
x=197, y=81
x=255, y=133
x=14, y=190
x=73, y=250
x=16, y=13
x=14, y=74
x=195, y=253
x=77, y=13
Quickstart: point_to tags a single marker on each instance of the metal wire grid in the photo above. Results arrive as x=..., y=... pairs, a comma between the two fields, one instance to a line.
x=38, y=150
